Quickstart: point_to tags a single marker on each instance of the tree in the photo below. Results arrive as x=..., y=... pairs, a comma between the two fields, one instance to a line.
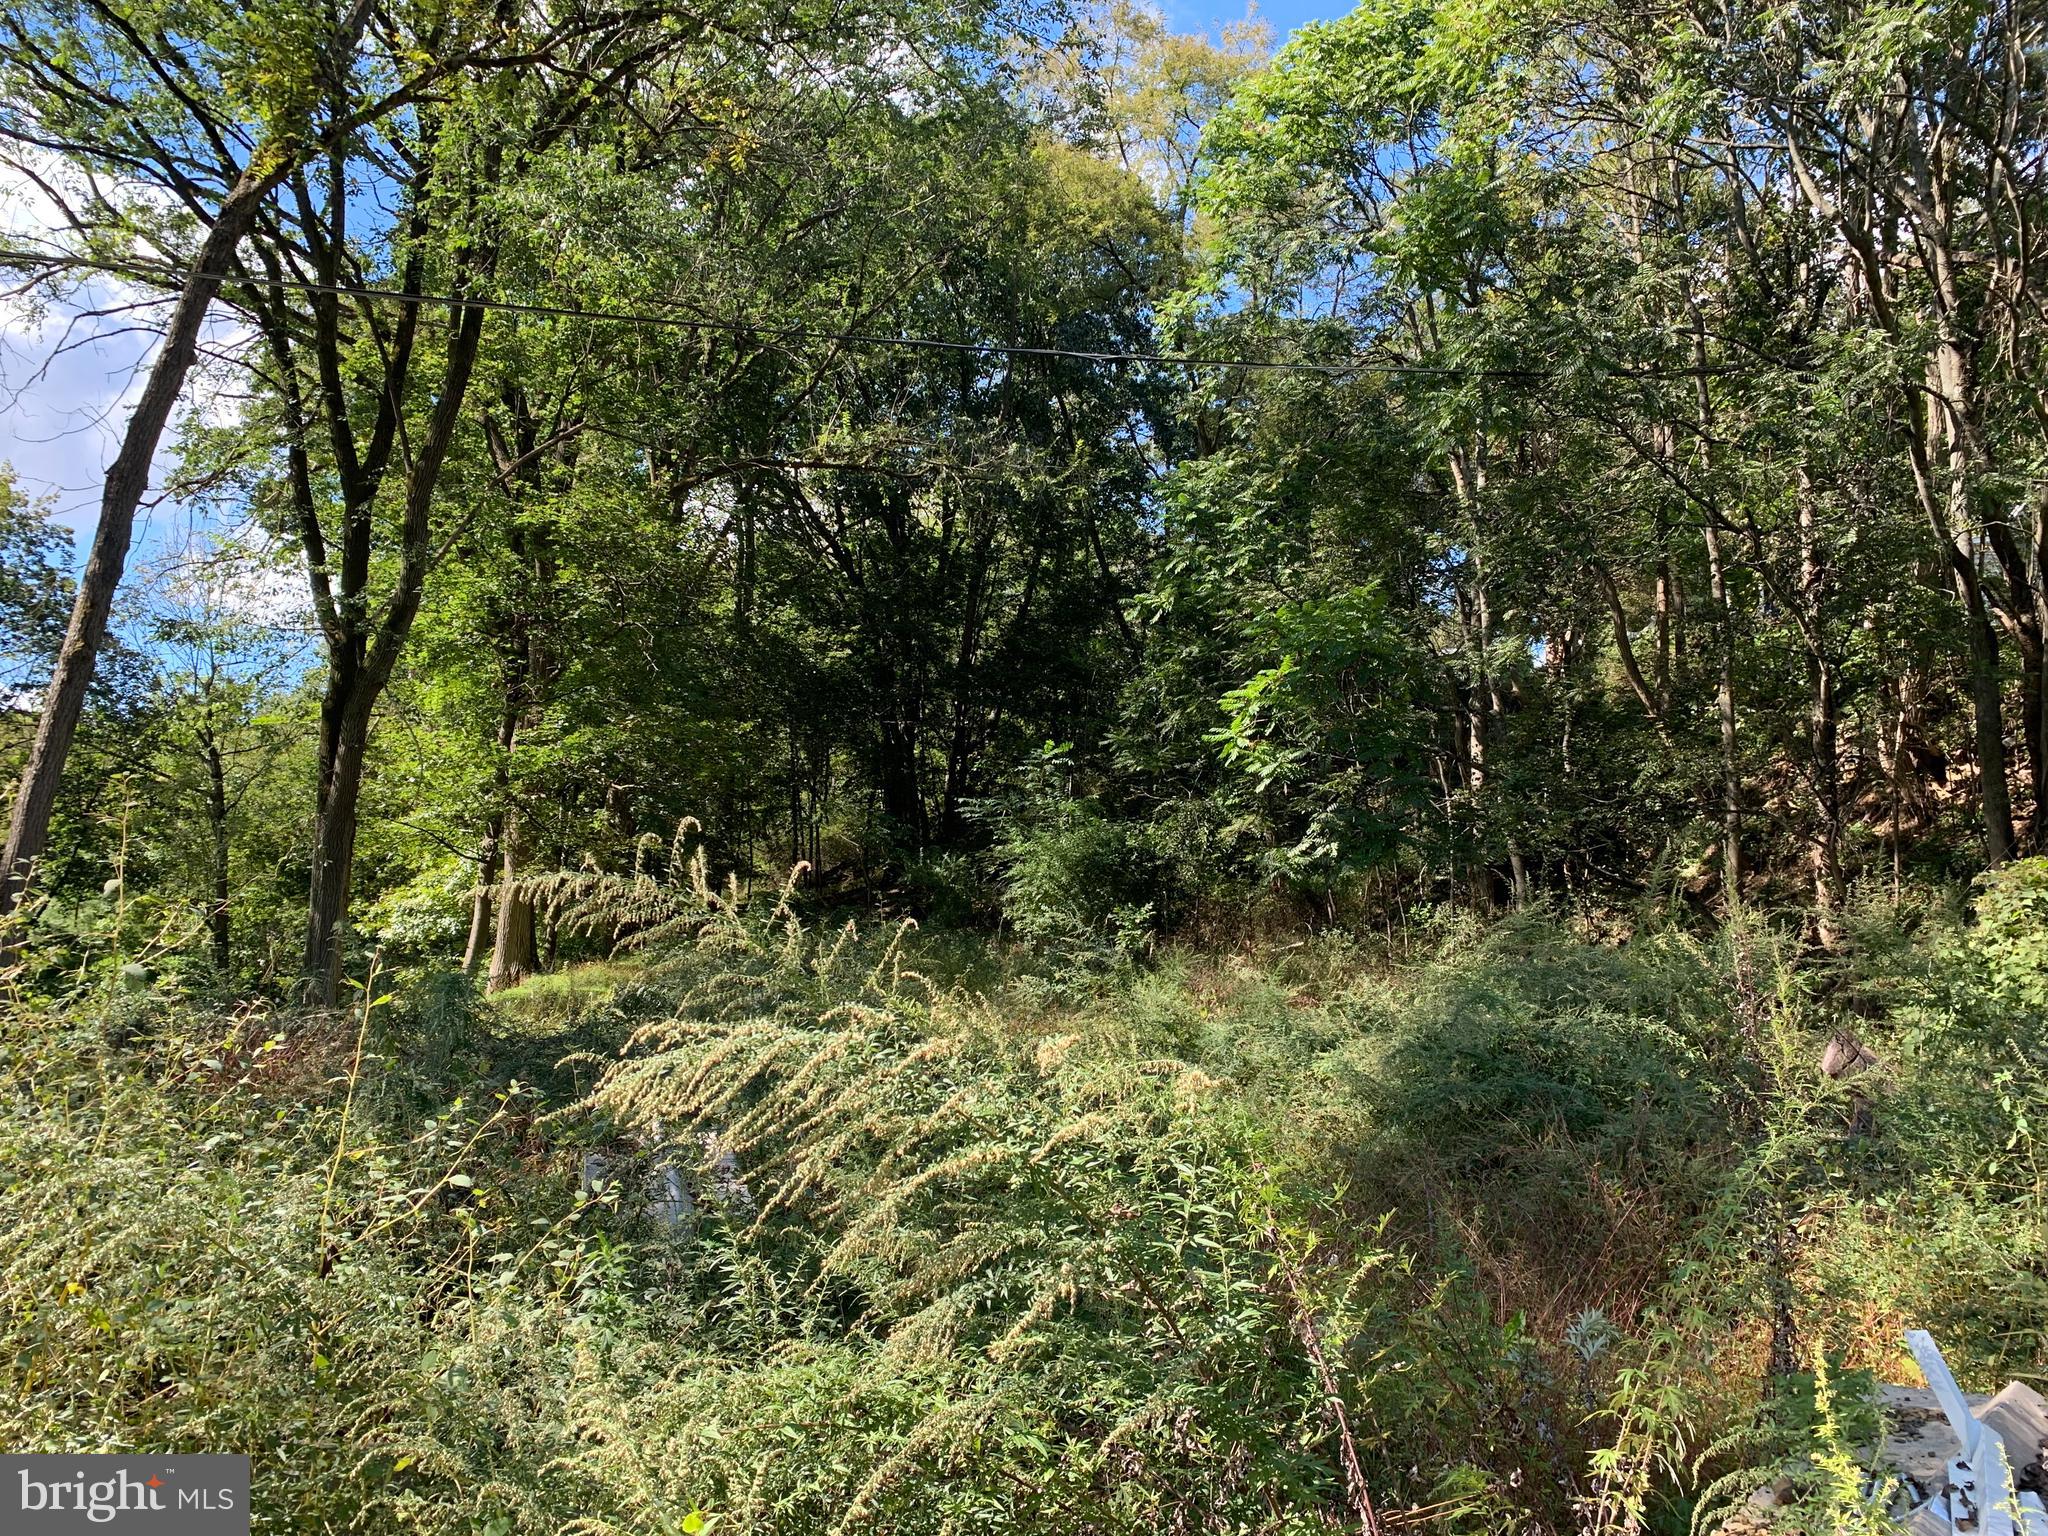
x=224, y=651
x=365, y=437
x=210, y=111
x=35, y=593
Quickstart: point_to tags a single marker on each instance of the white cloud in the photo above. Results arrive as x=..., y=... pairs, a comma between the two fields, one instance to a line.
x=237, y=572
x=74, y=359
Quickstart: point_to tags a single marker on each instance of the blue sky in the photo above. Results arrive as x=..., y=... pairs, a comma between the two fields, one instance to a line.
x=59, y=412
x=66, y=388
x=1284, y=15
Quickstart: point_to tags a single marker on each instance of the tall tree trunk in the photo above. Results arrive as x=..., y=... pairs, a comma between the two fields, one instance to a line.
x=360, y=687
x=1823, y=730
x=1480, y=877
x=480, y=897
x=1823, y=741
x=902, y=802
x=482, y=901
x=902, y=798
x=1665, y=615
x=527, y=671
x=334, y=844
x=960, y=749
x=1519, y=888
x=514, y=956
x=1624, y=646
x=1724, y=617
x=219, y=919
x=127, y=480
x=1468, y=470
x=1724, y=710
x=1950, y=407
x=1994, y=789
x=2038, y=711
x=796, y=802
x=2033, y=663
x=362, y=684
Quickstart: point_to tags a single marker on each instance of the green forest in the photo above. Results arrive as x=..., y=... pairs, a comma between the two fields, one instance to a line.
x=949, y=766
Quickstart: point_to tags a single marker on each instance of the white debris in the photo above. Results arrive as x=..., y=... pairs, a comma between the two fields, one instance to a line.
x=1996, y=1443
x=668, y=1192
x=1945, y=1454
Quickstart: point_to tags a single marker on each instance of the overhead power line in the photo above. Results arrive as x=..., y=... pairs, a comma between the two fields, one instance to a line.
x=171, y=276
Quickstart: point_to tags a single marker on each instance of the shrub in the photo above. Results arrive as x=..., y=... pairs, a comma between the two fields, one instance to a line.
x=1074, y=881
x=1504, y=1235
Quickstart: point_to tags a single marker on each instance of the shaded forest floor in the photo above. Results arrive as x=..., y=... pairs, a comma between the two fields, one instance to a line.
x=1540, y=1229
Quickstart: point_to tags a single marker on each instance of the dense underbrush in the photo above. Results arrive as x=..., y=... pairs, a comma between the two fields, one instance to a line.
x=1522, y=1227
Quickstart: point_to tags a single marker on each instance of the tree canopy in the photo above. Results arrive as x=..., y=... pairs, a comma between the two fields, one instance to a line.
x=1607, y=464
x=928, y=767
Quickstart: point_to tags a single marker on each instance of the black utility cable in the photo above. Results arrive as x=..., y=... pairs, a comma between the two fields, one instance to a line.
x=164, y=273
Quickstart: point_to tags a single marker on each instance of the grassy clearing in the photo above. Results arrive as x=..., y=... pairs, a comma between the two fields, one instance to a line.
x=1515, y=1223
